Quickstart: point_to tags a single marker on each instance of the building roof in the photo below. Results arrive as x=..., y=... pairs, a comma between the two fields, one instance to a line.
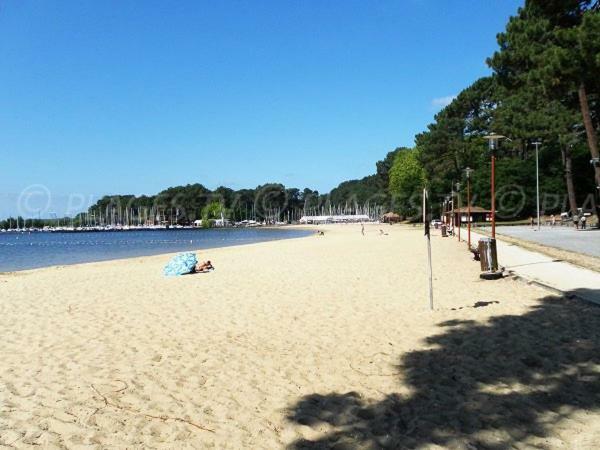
x=465, y=209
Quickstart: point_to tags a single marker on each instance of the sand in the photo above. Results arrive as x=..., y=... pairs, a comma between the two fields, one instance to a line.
x=316, y=342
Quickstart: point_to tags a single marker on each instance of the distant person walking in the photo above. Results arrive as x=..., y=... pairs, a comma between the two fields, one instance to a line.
x=582, y=222
x=531, y=221
x=362, y=228
x=553, y=220
x=576, y=221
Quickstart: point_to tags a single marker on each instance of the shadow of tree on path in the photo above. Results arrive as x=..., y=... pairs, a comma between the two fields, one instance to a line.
x=492, y=385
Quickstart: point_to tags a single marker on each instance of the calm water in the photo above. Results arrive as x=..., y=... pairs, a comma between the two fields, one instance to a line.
x=19, y=251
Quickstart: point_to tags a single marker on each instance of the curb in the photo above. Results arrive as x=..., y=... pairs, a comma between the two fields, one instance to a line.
x=552, y=289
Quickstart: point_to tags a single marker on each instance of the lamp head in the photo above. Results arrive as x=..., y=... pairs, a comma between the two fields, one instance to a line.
x=493, y=139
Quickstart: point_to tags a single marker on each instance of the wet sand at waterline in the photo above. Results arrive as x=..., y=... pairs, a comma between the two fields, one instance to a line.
x=316, y=342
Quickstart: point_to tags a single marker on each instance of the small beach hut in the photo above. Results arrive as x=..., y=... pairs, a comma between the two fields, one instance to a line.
x=390, y=217
x=478, y=214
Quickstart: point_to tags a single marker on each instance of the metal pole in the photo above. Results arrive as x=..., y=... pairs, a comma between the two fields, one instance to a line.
x=537, y=183
x=452, y=200
x=427, y=236
x=468, y=171
x=493, y=141
x=459, y=213
x=469, y=211
x=493, y=196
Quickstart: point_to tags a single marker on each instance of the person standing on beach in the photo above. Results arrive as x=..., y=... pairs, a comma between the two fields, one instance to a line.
x=362, y=228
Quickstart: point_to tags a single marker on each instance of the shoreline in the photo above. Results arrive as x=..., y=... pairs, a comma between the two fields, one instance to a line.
x=118, y=230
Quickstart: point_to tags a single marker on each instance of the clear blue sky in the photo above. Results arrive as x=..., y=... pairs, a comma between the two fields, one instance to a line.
x=135, y=96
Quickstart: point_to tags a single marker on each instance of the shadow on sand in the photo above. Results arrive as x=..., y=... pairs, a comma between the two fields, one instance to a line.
x=492, y=386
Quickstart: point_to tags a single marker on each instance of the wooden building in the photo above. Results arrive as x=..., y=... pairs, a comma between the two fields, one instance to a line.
x=478, y=214
x=390, y=217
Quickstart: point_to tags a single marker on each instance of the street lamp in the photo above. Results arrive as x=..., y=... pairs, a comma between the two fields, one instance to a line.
x=452, y=200
x=468, y=172
x=459, y=213
x=537, y=180
x=493, y=140
x=489, y=258
x=595, y=162
x=450, y=209
x=443, y=215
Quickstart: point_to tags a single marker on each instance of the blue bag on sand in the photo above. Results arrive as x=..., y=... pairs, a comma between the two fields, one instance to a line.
x=181, y=264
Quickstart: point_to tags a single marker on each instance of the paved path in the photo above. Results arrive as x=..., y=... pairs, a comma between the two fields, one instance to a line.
x=566, y=238
x=542, y=269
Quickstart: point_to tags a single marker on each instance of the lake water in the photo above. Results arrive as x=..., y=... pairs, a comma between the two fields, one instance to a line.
x=20, y=251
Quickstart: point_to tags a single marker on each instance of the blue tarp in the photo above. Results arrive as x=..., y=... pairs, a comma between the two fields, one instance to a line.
x=181, y=264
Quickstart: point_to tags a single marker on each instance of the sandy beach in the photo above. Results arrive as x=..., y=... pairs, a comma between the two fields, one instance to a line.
x=316, y=342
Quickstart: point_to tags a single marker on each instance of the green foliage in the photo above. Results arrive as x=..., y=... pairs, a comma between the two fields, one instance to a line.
x=384, y=166
x=548, y=50
x=407, y=179
x=547, y=67
x=454, y=141
x=210, y=212
x=367, y=189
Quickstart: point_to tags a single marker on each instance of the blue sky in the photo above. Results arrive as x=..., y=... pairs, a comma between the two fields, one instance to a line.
x=135, y=96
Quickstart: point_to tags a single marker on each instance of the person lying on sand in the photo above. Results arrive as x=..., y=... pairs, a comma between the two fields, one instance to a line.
x=204, y=267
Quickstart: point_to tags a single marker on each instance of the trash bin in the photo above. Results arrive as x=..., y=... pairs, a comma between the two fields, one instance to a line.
x=444, y=234
x=488, y=255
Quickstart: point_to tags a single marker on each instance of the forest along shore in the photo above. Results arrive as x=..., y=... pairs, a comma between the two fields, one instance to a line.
x=323, y=339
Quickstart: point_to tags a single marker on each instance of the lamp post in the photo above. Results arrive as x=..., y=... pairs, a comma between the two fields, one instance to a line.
x=537, y=180
x=459, y=213
x=468, y=172
x=452, y=200
x=448, y=214
x=488, y=253
x=595, y=162
x=493, y=144
x=443, y=212
x=447, y=211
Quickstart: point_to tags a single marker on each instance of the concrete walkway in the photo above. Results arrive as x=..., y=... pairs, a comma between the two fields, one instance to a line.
x=554, y=274
x=566, y=238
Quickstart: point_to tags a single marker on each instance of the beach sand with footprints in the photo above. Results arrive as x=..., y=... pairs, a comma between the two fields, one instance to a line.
x=317, y=342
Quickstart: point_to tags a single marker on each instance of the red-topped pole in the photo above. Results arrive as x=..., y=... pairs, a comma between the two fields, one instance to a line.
x=489, y=264
x=493, y=181
x=468, y=171
x=493, y=142
x=459, y=212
